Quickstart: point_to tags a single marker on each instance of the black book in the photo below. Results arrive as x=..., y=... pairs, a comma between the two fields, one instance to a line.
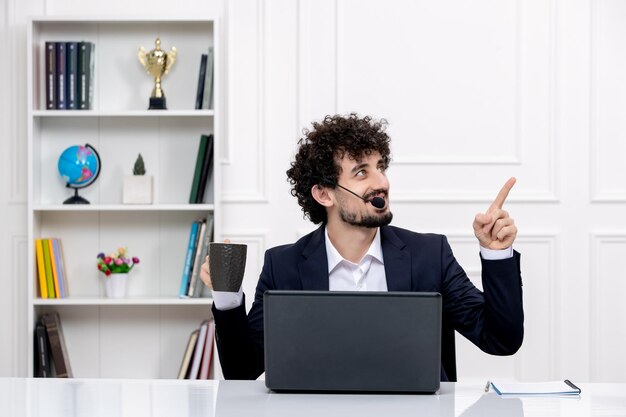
x=207, y=169
x=201, y=77
x=51, y=63
x=71, y=92
x=42, y=352
x=61, y=76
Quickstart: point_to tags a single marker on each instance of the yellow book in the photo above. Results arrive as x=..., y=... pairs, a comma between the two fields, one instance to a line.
x=48, y=266
x=55, y=271
x=41, y=269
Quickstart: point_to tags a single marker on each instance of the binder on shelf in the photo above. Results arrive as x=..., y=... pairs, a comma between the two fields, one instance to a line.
x=41, y=269
x=53, y=264
x=58, y=348
x=61, y=76
x=207, y=168
x=193, y=234
x=51, y=87
x=42, y=353
x=201, y=77
x=60, y=268
x=86, y=60
x=197, y=173
x=71, y=92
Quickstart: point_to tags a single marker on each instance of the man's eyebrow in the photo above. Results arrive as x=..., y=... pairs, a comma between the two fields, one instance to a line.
x=358, y=167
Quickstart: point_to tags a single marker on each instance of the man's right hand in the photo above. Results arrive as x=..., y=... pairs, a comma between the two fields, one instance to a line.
x=205, y=276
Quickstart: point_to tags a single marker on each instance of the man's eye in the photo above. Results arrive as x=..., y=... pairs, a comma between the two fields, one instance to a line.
x=360, y=173
x=382, y=168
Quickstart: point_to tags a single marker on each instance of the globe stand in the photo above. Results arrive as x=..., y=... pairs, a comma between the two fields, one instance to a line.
x=76, y=199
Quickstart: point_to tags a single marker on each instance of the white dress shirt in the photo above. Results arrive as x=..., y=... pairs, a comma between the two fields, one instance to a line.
x=343, y=275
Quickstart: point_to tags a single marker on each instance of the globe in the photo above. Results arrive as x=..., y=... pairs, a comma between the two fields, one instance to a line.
x=79, y=166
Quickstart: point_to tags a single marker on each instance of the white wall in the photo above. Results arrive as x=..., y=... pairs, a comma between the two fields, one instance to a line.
x=474, y=91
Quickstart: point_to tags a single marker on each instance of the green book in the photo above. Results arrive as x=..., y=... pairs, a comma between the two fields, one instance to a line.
x=198, y=171
x=48, y=265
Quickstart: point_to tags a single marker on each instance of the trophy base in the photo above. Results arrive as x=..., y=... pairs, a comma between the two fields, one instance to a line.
x=157, y=103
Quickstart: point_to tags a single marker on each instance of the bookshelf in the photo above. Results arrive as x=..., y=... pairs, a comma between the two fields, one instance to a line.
x=145, y=334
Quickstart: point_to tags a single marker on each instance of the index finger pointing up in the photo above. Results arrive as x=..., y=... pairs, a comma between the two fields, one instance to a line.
x=502, y=195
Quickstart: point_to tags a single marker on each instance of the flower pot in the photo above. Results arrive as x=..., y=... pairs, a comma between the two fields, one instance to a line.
x=115, y=285
x=137, y=189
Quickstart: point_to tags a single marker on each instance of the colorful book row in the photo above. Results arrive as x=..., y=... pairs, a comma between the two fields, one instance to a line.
x=51, y=272
x=203, y=170
x=69, y=75
x=198, y=355
x=200, y=236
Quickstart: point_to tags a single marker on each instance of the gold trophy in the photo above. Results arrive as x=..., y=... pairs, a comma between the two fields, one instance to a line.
x=157, y=63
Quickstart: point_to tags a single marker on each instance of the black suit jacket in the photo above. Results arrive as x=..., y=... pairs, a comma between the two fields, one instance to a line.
x=493, y=320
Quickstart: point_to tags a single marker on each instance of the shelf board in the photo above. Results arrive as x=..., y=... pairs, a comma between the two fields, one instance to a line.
x=123, y=207
x=130, y=301
x=123, y=113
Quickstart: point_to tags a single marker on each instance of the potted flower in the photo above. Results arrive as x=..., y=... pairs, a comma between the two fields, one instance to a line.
x=116, y=267
x=138, y=187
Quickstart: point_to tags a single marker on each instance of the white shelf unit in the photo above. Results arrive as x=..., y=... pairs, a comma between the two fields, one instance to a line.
x=145, y=334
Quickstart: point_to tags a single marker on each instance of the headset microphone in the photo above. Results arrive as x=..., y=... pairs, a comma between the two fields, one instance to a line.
x=377, y=202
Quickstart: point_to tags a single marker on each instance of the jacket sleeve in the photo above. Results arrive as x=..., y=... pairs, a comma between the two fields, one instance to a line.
x=494, y=319
x=240, y=342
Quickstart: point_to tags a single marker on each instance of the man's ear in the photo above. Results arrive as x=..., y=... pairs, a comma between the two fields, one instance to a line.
x=322, y=195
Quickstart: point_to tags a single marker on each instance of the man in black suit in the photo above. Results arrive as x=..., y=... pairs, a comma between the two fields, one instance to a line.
x=356, y=249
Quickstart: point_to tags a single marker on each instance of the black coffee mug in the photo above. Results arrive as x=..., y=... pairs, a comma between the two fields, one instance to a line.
x=227, y=264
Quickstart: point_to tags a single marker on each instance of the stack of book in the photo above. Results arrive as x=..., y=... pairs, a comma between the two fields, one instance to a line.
x=198, y=355
x=203, y=171
x=204, y=94
x=69, y=75
x=51, y=270
x=51, y=358
x=200, y=236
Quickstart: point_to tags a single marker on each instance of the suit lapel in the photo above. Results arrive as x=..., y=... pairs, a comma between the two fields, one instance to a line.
x=314, y=268
x=397, y=261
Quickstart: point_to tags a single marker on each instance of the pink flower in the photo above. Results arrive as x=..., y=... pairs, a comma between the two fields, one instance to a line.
x=135, y=260
x=118, y=261
x=107, y=260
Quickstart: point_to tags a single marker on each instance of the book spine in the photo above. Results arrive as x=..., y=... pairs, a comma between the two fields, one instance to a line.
x=197, y=354
x=207, y=168
x=61, y=75
x=53, y=267
x=66, y=289
x=41, y=269
x=207, y=95
x=51, y=63
x=208, y=237
x=42, y=355
x=85, y=75
x=58, y=268
x=197, y=263
x=201, y=76
x=191, y=345
x=71, y=95
x=197, y=173
x=182, y=293
x=207, y=355
x=57, y=345
x=48, y=266
x=92, y=65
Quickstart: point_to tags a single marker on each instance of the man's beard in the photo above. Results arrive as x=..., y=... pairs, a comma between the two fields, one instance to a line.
x=366, y=220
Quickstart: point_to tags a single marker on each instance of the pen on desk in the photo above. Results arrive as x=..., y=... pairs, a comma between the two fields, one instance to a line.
x=487, y=386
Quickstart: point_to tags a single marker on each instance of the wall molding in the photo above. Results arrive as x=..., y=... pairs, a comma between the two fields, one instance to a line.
x=259, y=196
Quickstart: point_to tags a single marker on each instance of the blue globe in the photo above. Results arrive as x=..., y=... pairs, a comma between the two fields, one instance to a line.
x=79, y=166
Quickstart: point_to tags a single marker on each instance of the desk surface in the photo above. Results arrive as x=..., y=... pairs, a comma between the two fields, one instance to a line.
x=137, y=398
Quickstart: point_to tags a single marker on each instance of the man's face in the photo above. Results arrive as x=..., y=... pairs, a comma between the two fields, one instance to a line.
x=365, y=176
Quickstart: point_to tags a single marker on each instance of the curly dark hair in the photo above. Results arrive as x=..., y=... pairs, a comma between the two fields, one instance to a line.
x=321, y=147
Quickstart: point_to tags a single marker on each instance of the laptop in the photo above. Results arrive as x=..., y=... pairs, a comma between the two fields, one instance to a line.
x=352, y=341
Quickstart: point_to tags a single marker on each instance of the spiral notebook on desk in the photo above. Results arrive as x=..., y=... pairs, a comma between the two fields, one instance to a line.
x=552, y=388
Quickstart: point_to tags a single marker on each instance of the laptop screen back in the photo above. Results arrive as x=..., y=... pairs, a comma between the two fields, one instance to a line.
x=352, y=341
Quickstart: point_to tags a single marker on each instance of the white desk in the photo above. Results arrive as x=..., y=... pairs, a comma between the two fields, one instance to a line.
x=137, y=398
